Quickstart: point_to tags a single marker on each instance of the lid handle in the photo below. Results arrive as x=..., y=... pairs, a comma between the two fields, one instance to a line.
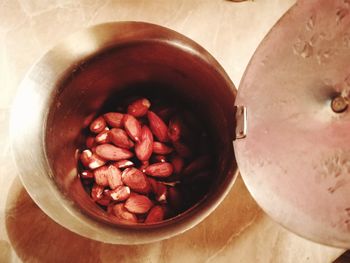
x=241, y=122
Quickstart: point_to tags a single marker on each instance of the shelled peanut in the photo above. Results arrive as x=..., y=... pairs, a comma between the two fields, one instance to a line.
x=146, y=163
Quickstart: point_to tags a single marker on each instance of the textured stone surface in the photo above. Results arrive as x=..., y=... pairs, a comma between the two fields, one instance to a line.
x=238, y=231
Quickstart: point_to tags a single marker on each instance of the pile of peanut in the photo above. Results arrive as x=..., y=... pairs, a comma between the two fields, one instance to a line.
x=145, y=164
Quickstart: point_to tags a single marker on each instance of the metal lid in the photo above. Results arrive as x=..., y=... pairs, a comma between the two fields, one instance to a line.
x=295, y=157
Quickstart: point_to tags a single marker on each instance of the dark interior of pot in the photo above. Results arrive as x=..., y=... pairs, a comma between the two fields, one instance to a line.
x=153, y=69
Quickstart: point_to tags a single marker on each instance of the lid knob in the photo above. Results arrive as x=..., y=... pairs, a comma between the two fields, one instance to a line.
x=339, y=104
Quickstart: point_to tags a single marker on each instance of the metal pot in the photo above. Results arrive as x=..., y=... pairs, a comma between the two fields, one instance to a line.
x=75, y=79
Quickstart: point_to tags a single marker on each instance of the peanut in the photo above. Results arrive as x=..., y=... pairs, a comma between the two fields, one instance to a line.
x=150, y=180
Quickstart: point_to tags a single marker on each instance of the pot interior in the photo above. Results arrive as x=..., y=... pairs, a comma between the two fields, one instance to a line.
x=164, y=70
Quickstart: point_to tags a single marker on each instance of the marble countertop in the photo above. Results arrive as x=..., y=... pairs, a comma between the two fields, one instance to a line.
x=238, y=231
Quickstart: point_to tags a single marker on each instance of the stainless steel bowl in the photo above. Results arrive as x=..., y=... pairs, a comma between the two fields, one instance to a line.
x=73, y=82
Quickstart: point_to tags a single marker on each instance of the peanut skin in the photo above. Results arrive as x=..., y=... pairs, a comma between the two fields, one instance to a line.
x=140, y=165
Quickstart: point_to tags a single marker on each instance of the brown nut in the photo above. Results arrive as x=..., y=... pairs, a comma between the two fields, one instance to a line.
x=159, y=158
x=159, y=169
x=138, y=204
x=114, y=119
x=158, y=127
x=159, y=189
x=112, y=153
x=161, y=148
x=178, y=164
x=139, y=107
x=136, y=180
x=123, y=214
x=156, y=214
x=101, y=138
x=98, y=125
x=97, y=192
x=133, y=127
x=100, y=175
x=104, y=201
x=114, y=177
x=90, y=142
x=174, y=129
x=91, y=160
x=143, y=149
x=120, y=138
x=121, y=193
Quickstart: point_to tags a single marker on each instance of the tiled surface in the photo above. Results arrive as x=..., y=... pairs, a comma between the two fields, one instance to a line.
x=238, y=231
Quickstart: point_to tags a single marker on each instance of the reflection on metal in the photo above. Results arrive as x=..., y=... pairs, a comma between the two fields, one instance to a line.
x=241, y=122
